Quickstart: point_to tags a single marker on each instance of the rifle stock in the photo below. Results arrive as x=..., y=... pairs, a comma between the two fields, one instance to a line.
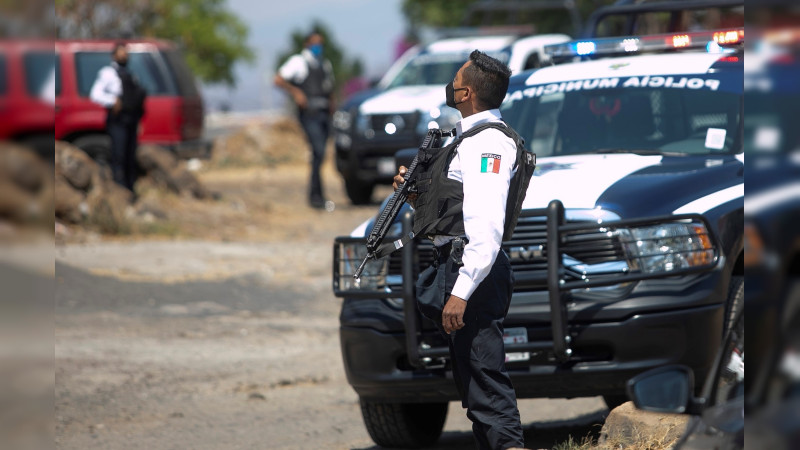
x=392, y=209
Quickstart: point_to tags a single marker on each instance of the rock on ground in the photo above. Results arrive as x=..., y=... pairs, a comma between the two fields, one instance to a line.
x=627, y=427
x=262, y=144
x=26, y=185
x=164, y=169
x=85, y=190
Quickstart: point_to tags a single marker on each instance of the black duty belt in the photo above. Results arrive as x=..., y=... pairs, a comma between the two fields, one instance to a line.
x=454, y=249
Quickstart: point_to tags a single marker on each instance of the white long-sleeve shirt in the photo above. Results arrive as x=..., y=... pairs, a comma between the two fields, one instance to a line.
x=107, y=87
x=484, y=164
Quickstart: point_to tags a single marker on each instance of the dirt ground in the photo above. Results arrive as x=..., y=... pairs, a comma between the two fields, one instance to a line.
x=216, y=328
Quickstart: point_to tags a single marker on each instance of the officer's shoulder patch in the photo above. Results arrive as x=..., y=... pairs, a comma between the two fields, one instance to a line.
x=490, y=163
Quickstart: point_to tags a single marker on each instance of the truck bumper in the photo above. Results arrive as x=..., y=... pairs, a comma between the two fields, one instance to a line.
x=607, y=354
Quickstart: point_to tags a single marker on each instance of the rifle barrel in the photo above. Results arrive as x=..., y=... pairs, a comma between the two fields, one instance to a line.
x=360, y=269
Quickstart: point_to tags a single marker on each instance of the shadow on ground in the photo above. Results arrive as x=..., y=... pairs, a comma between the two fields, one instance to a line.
x=537, y=435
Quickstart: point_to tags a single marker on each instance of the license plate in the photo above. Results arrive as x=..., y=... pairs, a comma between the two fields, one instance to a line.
x=386, y=166
x=516, y=336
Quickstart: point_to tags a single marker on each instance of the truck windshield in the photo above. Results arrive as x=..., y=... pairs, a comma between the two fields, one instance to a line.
x=435, y=68
x=647, y=115
x=426, y=71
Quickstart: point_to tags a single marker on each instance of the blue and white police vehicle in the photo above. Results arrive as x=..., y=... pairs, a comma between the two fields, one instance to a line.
x=628, y=254
x=371, y=126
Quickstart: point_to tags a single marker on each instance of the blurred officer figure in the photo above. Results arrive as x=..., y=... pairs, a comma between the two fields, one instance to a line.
x=308, y=78
x=118, y=90
x=468, y=210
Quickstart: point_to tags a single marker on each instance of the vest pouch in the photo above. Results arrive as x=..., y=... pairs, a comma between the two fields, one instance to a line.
x=441, y=206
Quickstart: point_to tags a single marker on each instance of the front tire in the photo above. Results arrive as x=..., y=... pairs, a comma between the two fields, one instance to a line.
x=404, y=425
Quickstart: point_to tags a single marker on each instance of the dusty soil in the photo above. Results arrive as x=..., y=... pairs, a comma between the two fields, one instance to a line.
x=218, y=328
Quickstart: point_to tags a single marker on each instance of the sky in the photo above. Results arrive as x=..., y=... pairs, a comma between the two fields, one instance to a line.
x=367, y=29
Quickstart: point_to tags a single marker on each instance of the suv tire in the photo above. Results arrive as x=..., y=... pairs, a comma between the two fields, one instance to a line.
x=734, y=303
x=97, y=146
x=405, y=425
x=360, y=192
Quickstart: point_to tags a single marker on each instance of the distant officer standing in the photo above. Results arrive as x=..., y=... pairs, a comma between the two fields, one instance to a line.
x=466, y=214
x=118, y=90
x=308, y=78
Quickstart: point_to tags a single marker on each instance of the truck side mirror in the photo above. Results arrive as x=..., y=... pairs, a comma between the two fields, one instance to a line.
x=665, y=389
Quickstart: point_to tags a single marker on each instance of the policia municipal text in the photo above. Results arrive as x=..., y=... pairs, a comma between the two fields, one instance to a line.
x=469, y=195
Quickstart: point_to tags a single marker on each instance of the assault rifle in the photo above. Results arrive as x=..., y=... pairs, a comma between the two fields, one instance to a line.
x=384, y=221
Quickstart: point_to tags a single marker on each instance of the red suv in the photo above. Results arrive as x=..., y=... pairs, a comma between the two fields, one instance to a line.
x=173, y=109
x=26, y=93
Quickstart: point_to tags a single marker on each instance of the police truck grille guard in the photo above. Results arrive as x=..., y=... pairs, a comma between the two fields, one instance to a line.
x=558, y=280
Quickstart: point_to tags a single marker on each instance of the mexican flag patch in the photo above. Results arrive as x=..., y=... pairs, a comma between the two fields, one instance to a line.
x=490, y=163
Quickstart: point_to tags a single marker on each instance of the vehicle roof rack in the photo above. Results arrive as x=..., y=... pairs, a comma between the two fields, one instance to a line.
x=632, y=10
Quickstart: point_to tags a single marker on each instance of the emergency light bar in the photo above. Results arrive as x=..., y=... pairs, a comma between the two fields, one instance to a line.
x=713, y=41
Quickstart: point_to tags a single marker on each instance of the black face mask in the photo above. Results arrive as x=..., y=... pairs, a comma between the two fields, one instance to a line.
x=450, y=95
x=122, y=62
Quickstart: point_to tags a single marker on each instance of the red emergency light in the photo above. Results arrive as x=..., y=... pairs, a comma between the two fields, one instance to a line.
x=680, y=40
x=728, y=37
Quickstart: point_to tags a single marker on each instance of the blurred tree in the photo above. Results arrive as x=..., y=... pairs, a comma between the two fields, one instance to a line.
x=344, y=69
x=436, y=13
x=451, y=13
x=213, y=38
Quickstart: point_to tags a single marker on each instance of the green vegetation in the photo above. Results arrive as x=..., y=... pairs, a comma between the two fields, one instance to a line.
x=212, y=37
x=452, y=13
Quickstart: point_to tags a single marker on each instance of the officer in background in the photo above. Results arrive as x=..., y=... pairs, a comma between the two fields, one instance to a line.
x=468, y=209
x=308, y=78
x=118, y=90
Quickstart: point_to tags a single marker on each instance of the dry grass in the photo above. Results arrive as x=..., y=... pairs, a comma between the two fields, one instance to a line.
x=644, y=440
x=627, y=428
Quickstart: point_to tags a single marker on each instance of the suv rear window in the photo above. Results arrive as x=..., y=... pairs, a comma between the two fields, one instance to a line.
x=181, y=73
x=39, y=68
x=3, y=75
x=151, y=75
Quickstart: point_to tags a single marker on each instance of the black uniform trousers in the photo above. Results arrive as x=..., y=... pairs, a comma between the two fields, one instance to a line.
x=316, y=124
x=477, y=354
x=122, y=129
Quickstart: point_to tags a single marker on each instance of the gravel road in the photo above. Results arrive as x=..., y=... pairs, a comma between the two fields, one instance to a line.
x=228, y=344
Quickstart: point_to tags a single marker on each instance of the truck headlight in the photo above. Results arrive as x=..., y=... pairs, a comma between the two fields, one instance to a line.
x=667, y=247
x=442, y=117
x=342, y=120
x=348, y=257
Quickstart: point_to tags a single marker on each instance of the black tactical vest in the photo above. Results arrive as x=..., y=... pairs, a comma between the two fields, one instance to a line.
x=317, y=86
x=440, y=200
x=133, y=94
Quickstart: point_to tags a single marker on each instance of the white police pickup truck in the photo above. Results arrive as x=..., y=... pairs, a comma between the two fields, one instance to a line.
x=628, y=254
x=371, y=126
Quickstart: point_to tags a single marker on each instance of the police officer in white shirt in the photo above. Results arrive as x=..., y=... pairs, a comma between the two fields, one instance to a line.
x=308, y=78
x=118, y=90
x=468, y=212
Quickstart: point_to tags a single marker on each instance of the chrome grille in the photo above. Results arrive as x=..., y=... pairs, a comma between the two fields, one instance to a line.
x=527, y=251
